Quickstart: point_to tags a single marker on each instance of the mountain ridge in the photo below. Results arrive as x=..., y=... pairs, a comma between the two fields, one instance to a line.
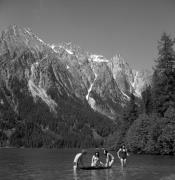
x=60, y=88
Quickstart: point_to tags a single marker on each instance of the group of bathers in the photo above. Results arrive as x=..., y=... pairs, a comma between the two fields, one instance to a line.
x=96, y=161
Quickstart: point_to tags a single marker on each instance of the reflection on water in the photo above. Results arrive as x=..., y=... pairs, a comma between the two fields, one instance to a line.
x=170, y=177
x=75, y=177
x=107, y=174
x=123, y=172
x=45, y=164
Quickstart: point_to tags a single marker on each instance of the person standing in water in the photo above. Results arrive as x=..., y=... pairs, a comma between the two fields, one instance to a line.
x=109, y=158
x=122, y=155
x=78, y=160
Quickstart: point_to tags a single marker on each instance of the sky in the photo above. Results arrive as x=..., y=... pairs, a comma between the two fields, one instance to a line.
x=131, y=28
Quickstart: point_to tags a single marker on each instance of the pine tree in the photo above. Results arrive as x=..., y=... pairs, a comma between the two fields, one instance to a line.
x=146, y=103
x=165, y=61
x=130, y=114
x=132, y=110
x=164, y=76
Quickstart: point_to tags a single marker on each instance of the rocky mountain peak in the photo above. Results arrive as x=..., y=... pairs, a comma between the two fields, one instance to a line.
x=15, y=39
x=68, y=69
x=17, y=32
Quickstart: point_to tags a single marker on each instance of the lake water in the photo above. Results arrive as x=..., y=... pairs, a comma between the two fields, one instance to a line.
x=49, y=164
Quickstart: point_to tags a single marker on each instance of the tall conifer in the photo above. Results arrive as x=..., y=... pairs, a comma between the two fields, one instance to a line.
x=164, y=76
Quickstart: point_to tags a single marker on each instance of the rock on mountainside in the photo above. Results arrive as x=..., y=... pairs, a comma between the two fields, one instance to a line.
x=129, y=80
x=58, y=95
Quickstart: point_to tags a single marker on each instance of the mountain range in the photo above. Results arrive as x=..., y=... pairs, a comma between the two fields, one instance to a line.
x=61, y=92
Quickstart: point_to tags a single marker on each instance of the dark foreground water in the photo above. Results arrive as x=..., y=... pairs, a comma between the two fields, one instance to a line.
x=49, y=164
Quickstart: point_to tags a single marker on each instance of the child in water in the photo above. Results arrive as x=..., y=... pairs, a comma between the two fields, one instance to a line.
x=96, y=160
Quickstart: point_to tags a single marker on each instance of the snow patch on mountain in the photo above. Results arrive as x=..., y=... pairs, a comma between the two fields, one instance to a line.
x=141, y=80
x=135, y=79
x=41, y=40
x=68, y=51
x=54, y=46
x=92, y=103
x=125, y=95
x=90, y=88
x=134, y=84
x=98, y=58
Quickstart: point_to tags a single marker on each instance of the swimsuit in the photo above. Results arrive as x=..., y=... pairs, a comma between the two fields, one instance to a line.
x=96, y=161
x=123, y=154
